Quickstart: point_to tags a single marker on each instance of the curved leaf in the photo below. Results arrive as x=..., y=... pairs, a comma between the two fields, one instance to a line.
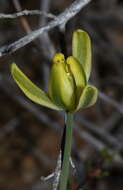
x=30, y=89
x=81, y=50
x=88, y=97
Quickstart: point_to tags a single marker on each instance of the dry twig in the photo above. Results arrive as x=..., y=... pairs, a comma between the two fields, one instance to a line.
x=27, y=13
x=62, y=18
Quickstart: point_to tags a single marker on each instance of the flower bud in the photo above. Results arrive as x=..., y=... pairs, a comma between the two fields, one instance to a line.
x=68, y=88
x=61, y=83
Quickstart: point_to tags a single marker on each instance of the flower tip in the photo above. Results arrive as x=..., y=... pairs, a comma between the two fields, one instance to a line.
x=80, y=31
x=58, y=57
x=69, y=59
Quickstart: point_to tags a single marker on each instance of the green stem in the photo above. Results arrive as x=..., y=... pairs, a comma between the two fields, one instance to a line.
x=67, y=152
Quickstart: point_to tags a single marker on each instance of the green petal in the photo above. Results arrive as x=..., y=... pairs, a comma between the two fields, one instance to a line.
x=88, y=97
x=78, y=75
x=81, y=50
x=30, y=89
x=61, y=84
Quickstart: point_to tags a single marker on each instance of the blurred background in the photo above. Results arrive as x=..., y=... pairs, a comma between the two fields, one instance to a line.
x=30, y=135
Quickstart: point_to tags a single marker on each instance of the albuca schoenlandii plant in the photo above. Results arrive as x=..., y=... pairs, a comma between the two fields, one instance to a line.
x=68, y=89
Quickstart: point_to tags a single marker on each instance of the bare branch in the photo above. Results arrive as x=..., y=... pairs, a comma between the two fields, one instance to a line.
x=26, y=13
x=9, y=127
x=23, y=20
x=57, y=173
x=45, y=7
x=111, y=101
x=100, y=146
x=45, y=41
x=70, y=12
x=100, y=132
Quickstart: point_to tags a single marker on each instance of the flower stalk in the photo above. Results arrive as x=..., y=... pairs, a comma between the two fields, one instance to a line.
x=67, y=152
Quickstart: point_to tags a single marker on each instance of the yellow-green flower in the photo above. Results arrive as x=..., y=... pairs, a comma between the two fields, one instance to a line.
x=68, y=82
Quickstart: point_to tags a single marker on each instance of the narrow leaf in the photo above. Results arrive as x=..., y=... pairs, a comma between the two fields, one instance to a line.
x=81, y=50
x=88, y=97
x=30, y=89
